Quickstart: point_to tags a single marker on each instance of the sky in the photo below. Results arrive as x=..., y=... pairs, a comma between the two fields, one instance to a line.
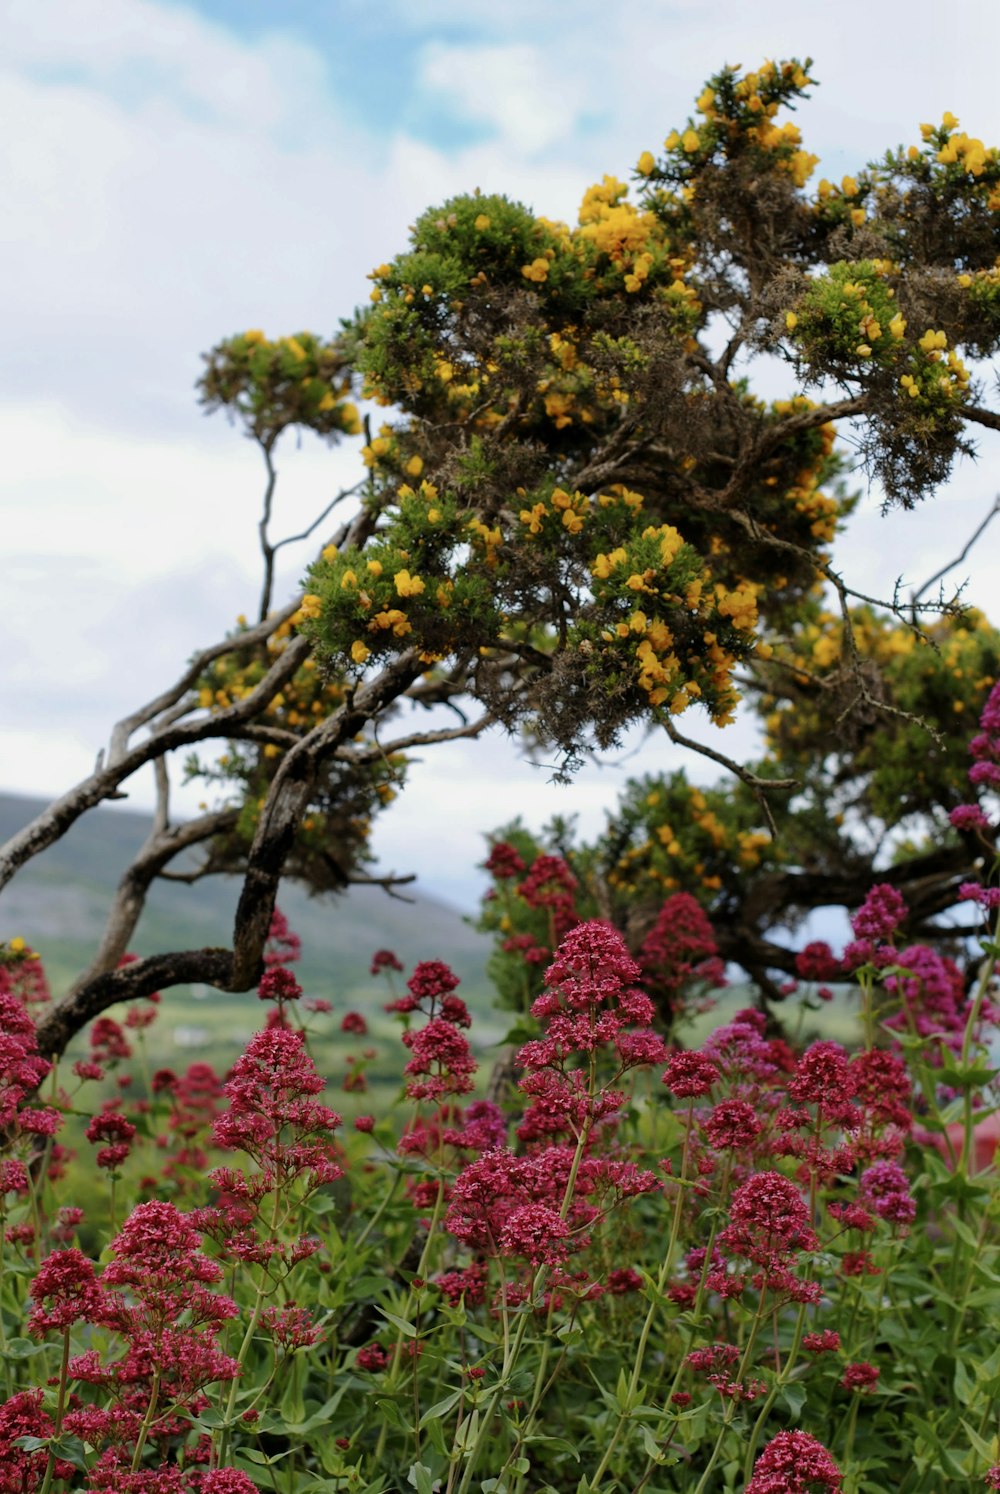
x=172, y=174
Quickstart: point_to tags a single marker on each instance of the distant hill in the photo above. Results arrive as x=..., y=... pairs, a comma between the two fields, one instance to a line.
x=58, y=904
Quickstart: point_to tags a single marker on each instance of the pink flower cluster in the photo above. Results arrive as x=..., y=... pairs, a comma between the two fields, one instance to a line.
x=523, y=1206
x=794, y=1463
x=156, y=1298
x=283, y=946
x=441, y=1062
x=273, y=1115
x=22, y=1068
x=680, y=951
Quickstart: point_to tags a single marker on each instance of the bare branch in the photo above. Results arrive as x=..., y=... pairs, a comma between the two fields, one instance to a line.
x=752, y=781
x=294, y=539
x=415, y=739
x=57, y=818
x=388, y=883
x=981, y=417
x=937, y=576
x=141, y=978
x=266, y=548
x=124, y=729
x=238, y=969
x=288, y=796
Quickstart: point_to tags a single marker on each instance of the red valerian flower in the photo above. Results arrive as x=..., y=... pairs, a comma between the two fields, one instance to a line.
x=283, y=946
x=885, y=1189
x=549, y=884
x=503, y=861
x=20, y=1470
x=882, y=1087
x=483, y=1125
x=715, y=1362
x=881, y=913
x=681, y=948
x=537, y=1232
x=65, y=1291
x=279, y=984
x=108, y=1043
x=372, y=1358
x=794, y=1463
x=22, y=976
x=624, y=1280
x=827, y=1342
x=13, y=1178
x=22, y=1067
x=968, y=817
x=272, y=1114
x=441, y=1063
x=290, y=1327
x=689, y=1075
x=354, y=1022
x=769, y=1221
x=117, y=1131
x=224, y=1481
x=470, y=1283
x=821, y=1079
x=817, y=962
x=384, y=959
x=432, y=979
x=732, y=1124
x=861, y=1376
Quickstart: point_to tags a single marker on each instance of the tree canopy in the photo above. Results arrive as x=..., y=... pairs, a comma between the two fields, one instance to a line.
x=576, y=513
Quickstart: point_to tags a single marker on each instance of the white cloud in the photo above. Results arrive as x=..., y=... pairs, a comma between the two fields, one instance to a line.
x=142, y=225
x=526, y=96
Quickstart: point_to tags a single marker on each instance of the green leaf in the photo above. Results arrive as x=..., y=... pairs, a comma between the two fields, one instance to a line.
x=392, y=1413
x=255, y=1455
x=22, y=1348
x=292, y=1406
x=986, y=1450
x=654, y=1452
x=409, y=1329
x=794, y=1397
x=419, y=1477
x=440, y=1408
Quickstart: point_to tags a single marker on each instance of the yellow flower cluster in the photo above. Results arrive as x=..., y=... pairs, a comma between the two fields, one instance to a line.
x=740, y=605
x=959, y=147
x=487, y=538
x=936, y=377
x=571, y=510
x=407, y=585
x=687, y=843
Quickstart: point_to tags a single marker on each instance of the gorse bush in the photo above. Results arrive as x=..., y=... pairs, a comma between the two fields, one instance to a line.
x=747, y=1266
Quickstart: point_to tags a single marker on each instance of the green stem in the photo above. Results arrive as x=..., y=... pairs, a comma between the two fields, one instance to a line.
x=225, y=1436
x=661, y=1281
x=390, y=1195
x=147, y=1420
x=730, y=1411
x=779, y=1384
x=512, y=1349
x=60, y=1411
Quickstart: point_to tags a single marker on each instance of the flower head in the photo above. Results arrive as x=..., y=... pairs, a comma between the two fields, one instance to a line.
x=881, y=913
x=690, y=1074
x=65, y=1291
x=794, y=1463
